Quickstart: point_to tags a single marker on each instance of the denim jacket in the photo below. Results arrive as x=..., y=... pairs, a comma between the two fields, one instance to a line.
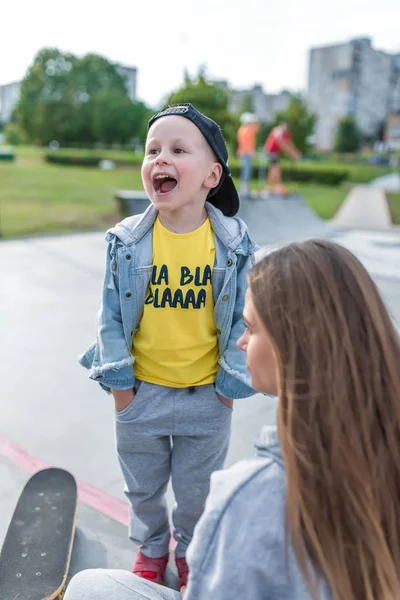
x=127, y=276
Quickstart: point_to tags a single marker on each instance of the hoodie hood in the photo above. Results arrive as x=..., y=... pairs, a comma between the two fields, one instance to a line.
x=267, y=444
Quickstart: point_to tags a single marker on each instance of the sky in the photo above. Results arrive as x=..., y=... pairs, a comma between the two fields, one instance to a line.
x=245, y=42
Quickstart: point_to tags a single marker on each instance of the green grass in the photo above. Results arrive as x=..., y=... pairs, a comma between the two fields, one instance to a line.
x=28, y=151
x=357, y=172
x=361, y=173
x=38, y=198
x=394, y=207
x=323, y=199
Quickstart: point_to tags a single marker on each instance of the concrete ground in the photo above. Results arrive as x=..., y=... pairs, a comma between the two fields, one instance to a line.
x=365, y=207
x=48, y=301
x=49, y=295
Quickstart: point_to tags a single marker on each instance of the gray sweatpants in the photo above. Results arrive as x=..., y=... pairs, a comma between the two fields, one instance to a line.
x=182, y=434
x=103, y=584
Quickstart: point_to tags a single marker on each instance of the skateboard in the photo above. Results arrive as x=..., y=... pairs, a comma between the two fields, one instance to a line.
x=37, y=549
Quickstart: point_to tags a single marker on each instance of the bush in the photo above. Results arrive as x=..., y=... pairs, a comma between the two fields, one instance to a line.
x=76, y=161
x=365, y=173
x=328, y=175
x=91, y=160
x=357, y=171
x=6, y=155
x=300, y=172
x=348, y=136
x=13, y=134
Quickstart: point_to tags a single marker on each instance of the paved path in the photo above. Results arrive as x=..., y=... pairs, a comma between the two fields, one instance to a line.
x=366, y=208
x=276, y=218
x=389, y=183
x=49, y=295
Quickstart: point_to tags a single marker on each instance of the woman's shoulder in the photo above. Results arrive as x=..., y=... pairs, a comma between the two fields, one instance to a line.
x=256, y=477
x=244, y=518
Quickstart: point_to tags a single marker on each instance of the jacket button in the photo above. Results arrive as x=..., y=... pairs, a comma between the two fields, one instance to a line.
x=128, y=295
x=218, y=332
x=128, y=256
x=229, y=262
x=225, y=298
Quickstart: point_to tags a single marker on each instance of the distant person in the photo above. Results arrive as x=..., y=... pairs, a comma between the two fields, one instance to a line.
x=279, y=141
x=315, y=515
x=168, y=324
x=246, y=138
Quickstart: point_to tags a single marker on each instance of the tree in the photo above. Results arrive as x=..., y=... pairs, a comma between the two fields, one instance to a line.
x=210, y=99
x=301, y=122
x=246, y=104
x=348, y=136
x=117, y=119
x=13, y=134
x=90, y=76
x=45, y=106
x=141, y=116
x=34, y=91
x=59, y=94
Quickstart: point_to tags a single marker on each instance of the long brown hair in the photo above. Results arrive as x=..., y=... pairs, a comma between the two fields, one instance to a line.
x=338, y=359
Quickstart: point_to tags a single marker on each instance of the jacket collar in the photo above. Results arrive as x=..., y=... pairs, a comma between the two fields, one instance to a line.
x=267, y=444
x=232, y=231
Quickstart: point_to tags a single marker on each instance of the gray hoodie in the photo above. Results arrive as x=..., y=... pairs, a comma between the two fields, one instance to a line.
x=239, y=547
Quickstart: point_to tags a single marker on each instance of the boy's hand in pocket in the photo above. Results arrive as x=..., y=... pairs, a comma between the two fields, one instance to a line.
x=122, y=398
x=226, y=401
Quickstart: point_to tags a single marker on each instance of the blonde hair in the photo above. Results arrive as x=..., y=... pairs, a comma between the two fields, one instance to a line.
x=338, y=418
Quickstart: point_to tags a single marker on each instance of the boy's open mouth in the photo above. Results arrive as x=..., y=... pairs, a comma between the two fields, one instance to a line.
x=163, y=183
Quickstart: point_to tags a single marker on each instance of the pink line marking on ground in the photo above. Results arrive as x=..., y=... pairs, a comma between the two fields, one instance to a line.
x=89, y=495
x=18, y=455
x=93, y=497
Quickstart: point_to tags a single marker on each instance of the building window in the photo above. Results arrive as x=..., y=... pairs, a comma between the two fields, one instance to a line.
x=340, y=74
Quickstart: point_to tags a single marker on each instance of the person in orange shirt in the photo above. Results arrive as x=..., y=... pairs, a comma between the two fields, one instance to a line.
x=246, y=138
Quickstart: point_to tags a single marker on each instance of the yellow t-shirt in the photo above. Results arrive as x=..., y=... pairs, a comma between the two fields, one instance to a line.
x=176, y=344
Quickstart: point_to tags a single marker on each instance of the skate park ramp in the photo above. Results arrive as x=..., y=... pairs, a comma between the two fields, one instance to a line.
x=270, y=218
x=57, y=416
x=275, y=218
x=389, y=183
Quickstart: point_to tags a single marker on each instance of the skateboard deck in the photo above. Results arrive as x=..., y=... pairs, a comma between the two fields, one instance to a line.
x=37, y=549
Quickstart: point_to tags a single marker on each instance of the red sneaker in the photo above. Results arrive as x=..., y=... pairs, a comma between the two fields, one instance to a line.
x=149, y=568
x=183, y=571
